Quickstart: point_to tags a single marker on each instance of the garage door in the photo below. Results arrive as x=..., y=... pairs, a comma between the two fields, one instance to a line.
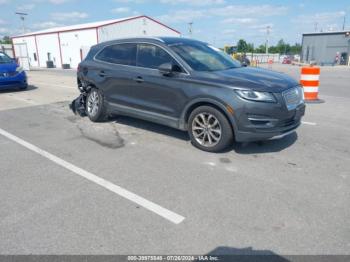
x=22, y=57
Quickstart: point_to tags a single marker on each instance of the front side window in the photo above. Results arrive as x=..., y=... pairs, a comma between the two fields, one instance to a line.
x=202, y=57
x=122, y=54
x=152, y=56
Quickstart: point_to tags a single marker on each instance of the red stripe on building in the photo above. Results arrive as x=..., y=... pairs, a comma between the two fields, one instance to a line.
x=37, y=53
x=59, y=45
x=97, y=40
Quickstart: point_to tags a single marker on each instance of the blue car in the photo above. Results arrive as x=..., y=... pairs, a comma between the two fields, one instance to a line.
x=12, y=76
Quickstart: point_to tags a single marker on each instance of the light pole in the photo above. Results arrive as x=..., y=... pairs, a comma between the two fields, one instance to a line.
x=22, y=17
x=267, y=38
x=190, y=28
x=344, y=21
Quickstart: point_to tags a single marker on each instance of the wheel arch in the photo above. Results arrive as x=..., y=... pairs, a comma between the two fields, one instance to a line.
x=206, y=102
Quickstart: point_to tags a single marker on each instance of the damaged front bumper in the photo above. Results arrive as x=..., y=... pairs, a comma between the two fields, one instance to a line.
x=78, y=105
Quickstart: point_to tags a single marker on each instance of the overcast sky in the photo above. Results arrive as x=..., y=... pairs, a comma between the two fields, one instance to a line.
x=219, y=22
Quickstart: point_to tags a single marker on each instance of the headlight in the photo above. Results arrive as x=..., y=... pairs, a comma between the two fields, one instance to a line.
x=301, y=91
x=256, y=96
x=19, y=69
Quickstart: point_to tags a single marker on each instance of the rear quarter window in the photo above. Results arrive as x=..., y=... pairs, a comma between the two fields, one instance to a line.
x=92, y=52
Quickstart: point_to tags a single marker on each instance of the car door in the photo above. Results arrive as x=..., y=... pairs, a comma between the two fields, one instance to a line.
x=116, y=73
x=154, y=92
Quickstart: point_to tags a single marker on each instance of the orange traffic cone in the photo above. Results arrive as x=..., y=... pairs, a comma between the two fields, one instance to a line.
x=310, y=81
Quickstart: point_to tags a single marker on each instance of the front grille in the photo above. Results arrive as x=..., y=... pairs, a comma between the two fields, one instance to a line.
x=293, y=97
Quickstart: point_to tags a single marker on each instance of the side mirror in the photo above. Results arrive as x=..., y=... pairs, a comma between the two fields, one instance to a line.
x=166, y=69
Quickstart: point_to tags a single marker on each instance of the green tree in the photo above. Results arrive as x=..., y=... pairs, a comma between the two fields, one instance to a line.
x=250, y=48
x=229, y=49
x=282, y=47
x=273, y=50
x=295, y=49
x=5, y=40
x=261, y=49
x=242, y=46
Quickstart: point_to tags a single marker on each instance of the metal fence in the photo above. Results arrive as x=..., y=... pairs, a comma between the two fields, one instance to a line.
x=263, y=58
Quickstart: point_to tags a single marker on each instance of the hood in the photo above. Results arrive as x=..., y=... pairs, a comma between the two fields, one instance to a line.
x=254, y=78
x=7, y=68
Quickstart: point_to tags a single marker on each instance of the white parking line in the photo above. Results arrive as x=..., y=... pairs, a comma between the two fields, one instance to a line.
x=309, y=123
x=161, y=211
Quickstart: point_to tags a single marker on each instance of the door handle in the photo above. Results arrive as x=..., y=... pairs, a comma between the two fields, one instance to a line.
x=139, y=79
x=102, y=74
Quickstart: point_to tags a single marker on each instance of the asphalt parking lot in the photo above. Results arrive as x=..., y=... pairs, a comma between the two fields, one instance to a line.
x=69, y=186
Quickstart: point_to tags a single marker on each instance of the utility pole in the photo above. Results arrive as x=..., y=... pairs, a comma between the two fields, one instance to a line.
x=267, y=39
x=190, y=28
x=316, y=26
x=22, y=17
x=344, y=21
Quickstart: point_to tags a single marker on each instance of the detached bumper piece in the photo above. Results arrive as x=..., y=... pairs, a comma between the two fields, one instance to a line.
x=78, y=105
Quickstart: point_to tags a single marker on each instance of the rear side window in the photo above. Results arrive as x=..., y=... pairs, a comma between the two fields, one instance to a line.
x=152, y=56
x=122, y=54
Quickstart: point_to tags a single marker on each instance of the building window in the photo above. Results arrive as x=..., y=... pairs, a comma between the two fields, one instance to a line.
x=35, y=58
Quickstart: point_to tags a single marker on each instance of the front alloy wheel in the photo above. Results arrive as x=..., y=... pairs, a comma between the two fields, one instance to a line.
x=206, y=129
x=95, y=106
x=93, y=103
x=209, y=129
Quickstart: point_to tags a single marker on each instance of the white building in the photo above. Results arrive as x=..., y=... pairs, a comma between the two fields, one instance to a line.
x=69, y=45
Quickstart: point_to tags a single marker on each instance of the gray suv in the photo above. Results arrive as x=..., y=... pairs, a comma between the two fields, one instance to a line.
x=191, y=86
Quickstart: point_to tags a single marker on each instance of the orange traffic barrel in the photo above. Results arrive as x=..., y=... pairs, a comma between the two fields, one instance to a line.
x=310, y=81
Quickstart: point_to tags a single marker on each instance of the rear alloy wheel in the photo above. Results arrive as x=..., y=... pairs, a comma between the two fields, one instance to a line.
x=209, y=129
x=95, y=106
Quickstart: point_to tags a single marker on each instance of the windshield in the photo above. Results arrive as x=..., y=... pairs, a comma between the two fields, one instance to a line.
x=202, y=57
x=5, y=59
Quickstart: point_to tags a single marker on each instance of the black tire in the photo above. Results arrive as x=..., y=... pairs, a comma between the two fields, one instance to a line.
x=100, y=113
x=223, y=141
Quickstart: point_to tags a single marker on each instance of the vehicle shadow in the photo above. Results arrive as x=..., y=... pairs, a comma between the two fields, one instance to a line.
x=30, y=88
x=247, y=254
x=260, y=147
x=149, y=126
x=268, y=146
